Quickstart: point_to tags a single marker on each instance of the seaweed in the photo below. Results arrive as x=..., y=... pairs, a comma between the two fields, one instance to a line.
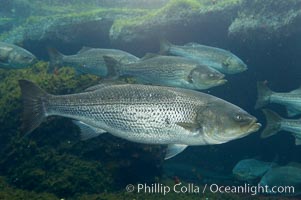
x=53, y=159
x=12, y=193
x=41, y=27
x=174, y=13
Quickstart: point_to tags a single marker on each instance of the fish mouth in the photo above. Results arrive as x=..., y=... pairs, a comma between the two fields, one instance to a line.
x=254, y=126
x=222, y=81
x=243, y=68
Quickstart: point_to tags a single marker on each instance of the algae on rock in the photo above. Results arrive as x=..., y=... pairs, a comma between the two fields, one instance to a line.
x=157, y=23
x=267, y=19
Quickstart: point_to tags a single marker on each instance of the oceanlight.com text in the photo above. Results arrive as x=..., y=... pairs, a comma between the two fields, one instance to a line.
x=191, y=188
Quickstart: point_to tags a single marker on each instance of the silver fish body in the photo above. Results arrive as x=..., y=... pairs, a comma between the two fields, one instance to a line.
x=291, y=100
x=15, y=57
x=144, y=114
x=172, y=71
x=90, y=60
x=219, y=59
x=275, y=124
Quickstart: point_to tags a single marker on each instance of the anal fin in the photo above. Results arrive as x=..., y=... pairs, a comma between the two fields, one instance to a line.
x=87, y=131
x=174, y=149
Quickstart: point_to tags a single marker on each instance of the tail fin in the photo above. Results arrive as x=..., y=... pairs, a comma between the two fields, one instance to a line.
x=113, y=67
x=34, y=109
x=273, y=123
x=55, y=57
x=264, y=94
x=164, y=46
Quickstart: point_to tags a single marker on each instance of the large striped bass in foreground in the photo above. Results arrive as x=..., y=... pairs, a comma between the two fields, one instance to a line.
x=144, y=114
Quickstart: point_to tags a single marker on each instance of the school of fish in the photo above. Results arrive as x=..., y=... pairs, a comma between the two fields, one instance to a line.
x=165, y=106
x=162, y=108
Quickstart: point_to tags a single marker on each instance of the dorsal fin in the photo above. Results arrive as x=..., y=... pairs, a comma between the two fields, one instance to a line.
x=192, y=44
x=97, y=87
x=149, y=55
x=296, y=91
x=84, y=49
x=103, y=84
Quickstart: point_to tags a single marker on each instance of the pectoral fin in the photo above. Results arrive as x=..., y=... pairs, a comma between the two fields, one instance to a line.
x=113, y=67
x=87, y=131
x=192, y=127
x=174, y=149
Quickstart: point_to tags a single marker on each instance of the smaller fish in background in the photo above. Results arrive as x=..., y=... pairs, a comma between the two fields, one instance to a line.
x=275, y=123
x=170, y=71
x=291, y=100
x=284, y=176
x=251, y=169
x=219, y=59
x=15, y=57
x=90, y=60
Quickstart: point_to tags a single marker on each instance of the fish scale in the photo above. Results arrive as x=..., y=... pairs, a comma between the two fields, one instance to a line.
x=285, y=98
x=170, y=71
x=219, y=59
x=149, y=114
x=142, y=113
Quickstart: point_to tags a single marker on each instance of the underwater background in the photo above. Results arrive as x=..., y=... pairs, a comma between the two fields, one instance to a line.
x=52, y=162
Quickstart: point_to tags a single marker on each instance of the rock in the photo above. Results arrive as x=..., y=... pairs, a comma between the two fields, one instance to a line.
x=174, y=16
x=65, y=27
x=267, y=19
x=129, y=22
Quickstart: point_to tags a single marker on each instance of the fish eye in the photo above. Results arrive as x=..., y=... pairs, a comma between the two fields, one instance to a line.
x=211, y=75
x=190, y=78
x=226, y=64
x=238, y=117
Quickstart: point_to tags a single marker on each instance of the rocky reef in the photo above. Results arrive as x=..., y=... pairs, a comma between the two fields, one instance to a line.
x=129, y=22
x=52, y=162
x=267, y=20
